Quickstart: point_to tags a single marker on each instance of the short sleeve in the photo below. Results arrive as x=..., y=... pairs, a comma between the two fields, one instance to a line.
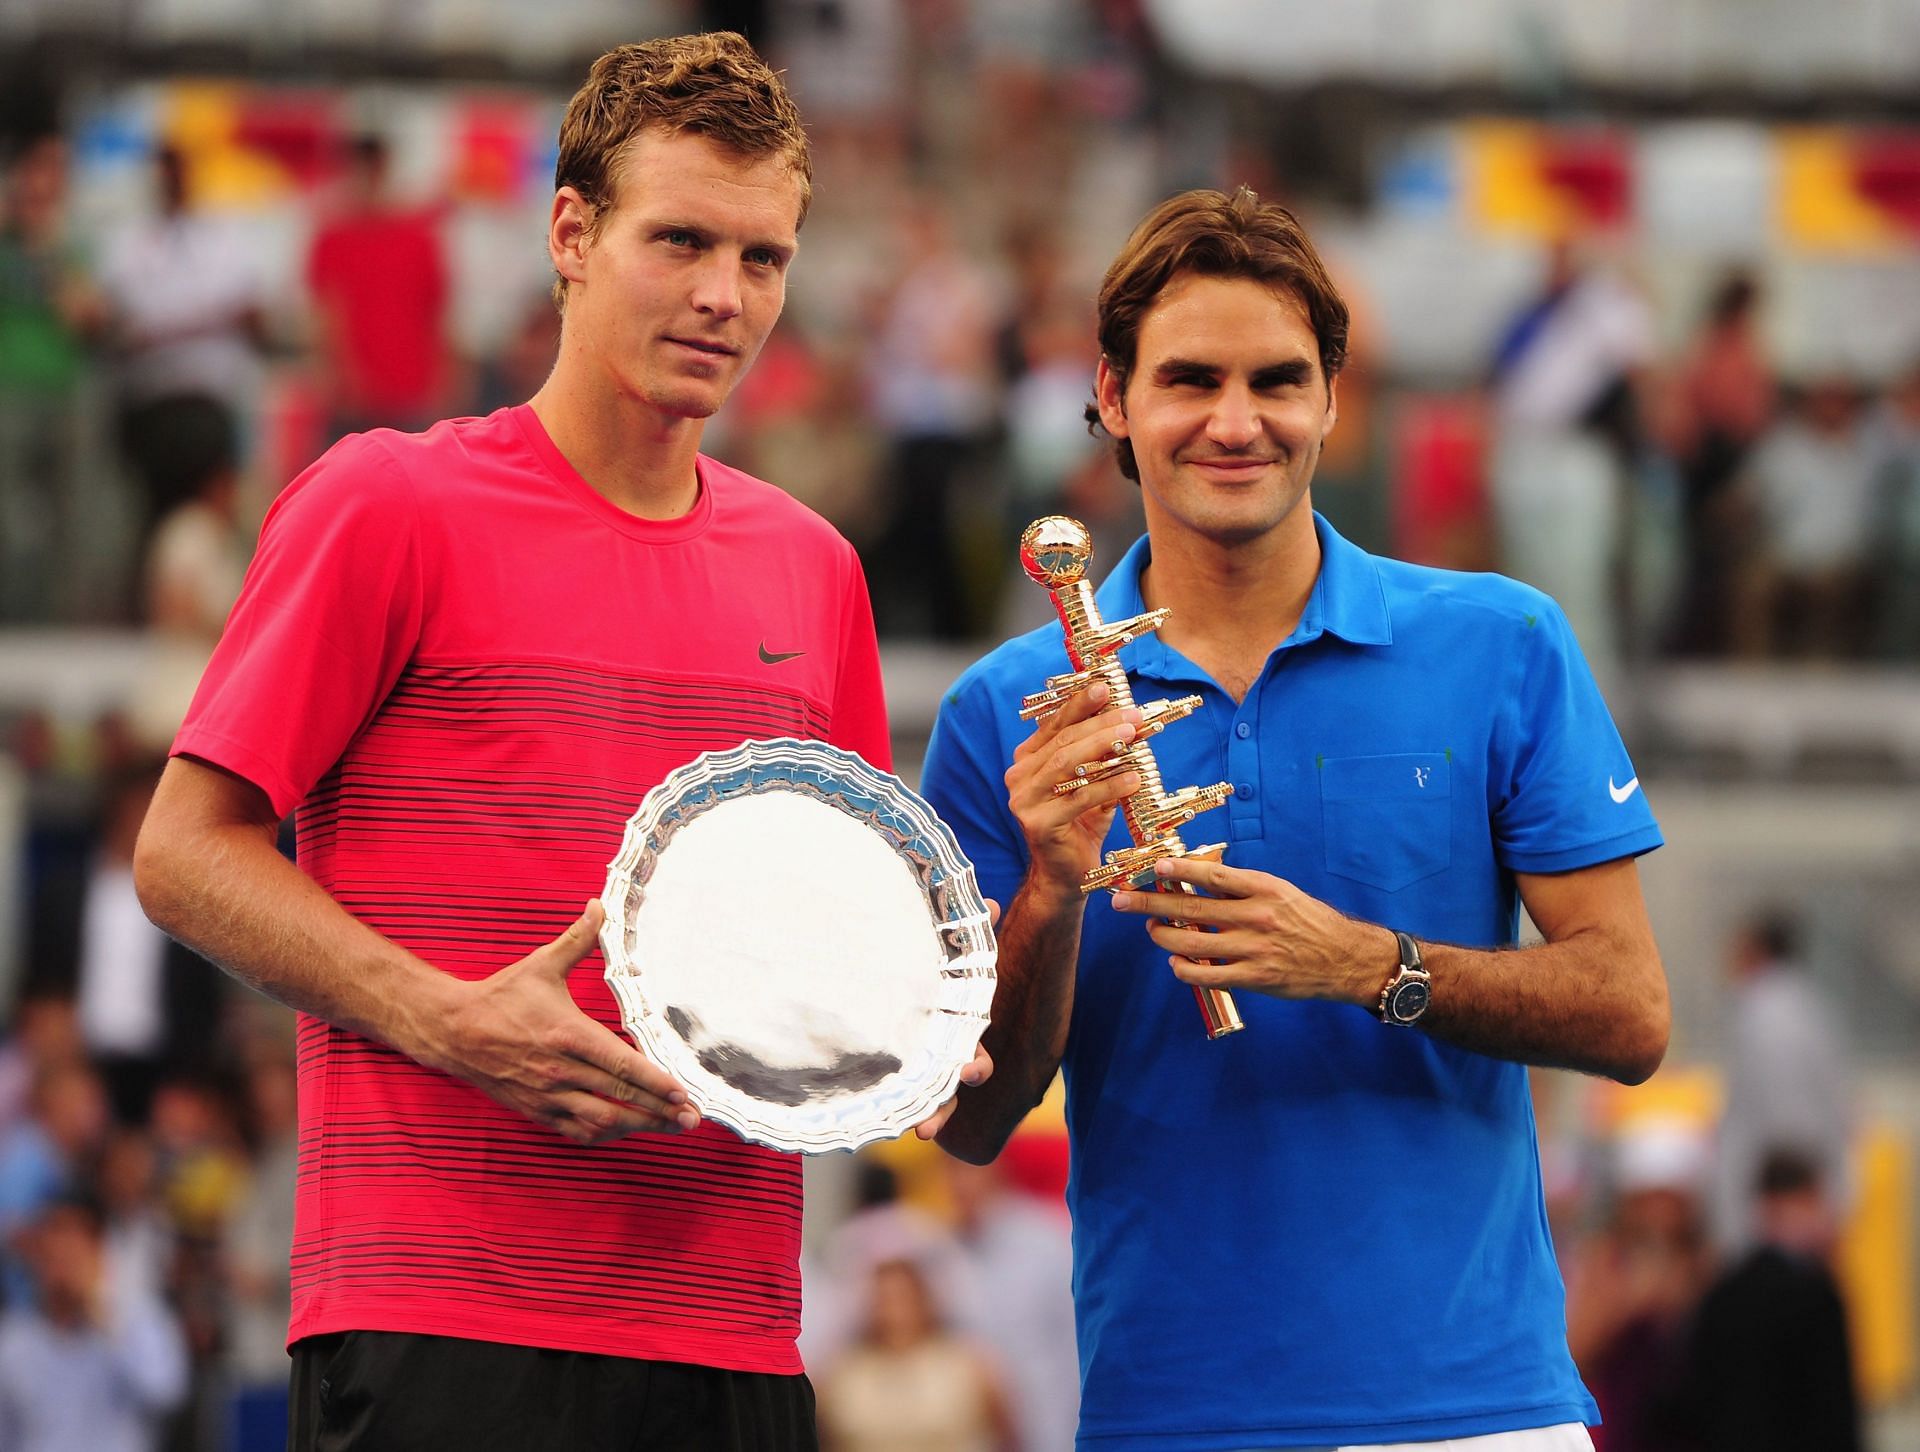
x=1564, y=794
x=964, y=780
x=327, y=619
x=859, y=697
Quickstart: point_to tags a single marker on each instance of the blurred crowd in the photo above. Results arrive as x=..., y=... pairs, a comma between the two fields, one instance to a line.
x=1647, y=464
x=1707, y=1290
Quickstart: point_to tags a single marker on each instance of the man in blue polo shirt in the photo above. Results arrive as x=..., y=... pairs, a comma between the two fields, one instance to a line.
x=1326, y=1230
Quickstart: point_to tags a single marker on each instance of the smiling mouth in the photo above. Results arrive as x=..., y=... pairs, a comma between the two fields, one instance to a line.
x=712, y=350
x=1233, y=465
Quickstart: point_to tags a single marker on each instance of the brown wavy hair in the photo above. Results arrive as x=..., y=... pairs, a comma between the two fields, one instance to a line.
x=1212, y=234
x=714, y=85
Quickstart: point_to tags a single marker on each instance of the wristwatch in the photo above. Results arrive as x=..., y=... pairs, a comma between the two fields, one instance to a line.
x=1409, y=991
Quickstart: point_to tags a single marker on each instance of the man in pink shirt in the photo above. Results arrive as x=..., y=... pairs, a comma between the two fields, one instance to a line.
x=464, y=656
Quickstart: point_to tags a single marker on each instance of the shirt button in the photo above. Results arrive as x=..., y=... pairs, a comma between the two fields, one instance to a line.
x=1243, y=731
x=1243, y=789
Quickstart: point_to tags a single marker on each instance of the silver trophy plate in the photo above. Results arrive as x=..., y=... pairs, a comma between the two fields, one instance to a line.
x=798, y=939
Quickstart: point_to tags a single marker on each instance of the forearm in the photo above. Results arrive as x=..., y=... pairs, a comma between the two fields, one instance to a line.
x=229, y=894
x=1586, y=1002
x=1593, y=997
x=1032, y=1006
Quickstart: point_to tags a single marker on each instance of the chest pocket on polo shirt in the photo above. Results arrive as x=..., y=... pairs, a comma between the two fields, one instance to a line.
x=1388, y=819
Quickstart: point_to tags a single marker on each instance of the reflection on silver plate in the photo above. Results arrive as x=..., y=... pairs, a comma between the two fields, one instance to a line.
x=798, y=940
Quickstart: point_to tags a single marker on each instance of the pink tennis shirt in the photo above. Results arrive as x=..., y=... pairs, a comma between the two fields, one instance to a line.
x=465, y=668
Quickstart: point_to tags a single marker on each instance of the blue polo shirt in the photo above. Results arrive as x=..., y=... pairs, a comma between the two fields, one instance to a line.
x=1320, y=1230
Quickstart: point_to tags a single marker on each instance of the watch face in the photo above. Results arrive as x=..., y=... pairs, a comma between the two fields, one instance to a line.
x=1409, y=1001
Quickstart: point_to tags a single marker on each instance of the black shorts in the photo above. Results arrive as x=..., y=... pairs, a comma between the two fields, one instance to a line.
x=390, y=1391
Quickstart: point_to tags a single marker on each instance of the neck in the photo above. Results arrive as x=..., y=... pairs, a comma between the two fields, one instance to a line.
x=1232, y=600
x=640, y=459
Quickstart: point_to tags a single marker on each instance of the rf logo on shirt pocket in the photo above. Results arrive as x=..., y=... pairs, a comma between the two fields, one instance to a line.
x=1388, y=819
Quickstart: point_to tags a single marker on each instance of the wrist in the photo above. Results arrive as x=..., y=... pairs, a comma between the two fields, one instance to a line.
x=1374, y=963
x=427, y=1019
x=1050, y=898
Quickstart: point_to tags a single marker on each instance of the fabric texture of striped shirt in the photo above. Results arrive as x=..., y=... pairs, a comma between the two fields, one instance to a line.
x=465, y=668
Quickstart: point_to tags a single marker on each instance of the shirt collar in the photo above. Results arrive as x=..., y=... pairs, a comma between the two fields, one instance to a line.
x=1348, y=600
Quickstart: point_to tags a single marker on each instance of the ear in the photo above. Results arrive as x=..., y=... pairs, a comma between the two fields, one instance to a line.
x=1111, y=400
x=569, y=234
x=1333, y=407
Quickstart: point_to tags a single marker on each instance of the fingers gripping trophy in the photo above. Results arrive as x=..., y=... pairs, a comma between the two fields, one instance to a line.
x=1055, y=552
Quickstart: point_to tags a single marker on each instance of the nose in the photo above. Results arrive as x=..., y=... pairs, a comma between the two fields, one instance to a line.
x=1233, y=423
x=716, y=291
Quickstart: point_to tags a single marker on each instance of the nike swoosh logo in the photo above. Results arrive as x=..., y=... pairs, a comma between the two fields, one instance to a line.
x=774, y=657
x=1621, y=793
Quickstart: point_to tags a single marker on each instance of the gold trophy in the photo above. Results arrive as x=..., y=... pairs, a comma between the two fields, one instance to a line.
x=1054, y=552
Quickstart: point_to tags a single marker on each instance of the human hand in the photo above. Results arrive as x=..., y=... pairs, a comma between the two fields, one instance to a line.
x=1255, y=930
x=1065, y=833
x=978, y=1070
x=519, y=1037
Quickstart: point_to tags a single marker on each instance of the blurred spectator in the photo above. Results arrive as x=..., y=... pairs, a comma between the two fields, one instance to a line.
x=47, y=1155
x=48, y=307
x=1896, y=530
x=123, y=962
x=1723, y=400
x=1632, y=1290
x=1020, y=51
x=908, y=1385
x=1772, y=1367
x=934, y=396
x=521, y=364
x=195, y=561
x=198, y=552
x=144, y=1002
x=1440, y=512
x=1564, y=380
x=45, y=1031
x=185, y=301
x=1048, y=353
x=139, y=1235
x=203, y=1163
x=378, y=277
x=846, y=62
x=799, y=417
x=1787, y=1076
x=1813, y=479
x=203, y=1182
x=1014, y=1295
x=259, y=1244
x=87, y=1365
x=880, y=1227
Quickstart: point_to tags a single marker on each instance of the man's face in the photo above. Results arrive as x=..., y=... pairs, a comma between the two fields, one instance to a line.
x=673, y=295
x=1226, y=409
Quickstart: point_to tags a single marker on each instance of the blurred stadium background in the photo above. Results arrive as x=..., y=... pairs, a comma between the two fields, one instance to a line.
x=1637, y=297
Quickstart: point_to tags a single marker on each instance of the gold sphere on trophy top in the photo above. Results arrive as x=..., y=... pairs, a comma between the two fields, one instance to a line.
x=1055, y=551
